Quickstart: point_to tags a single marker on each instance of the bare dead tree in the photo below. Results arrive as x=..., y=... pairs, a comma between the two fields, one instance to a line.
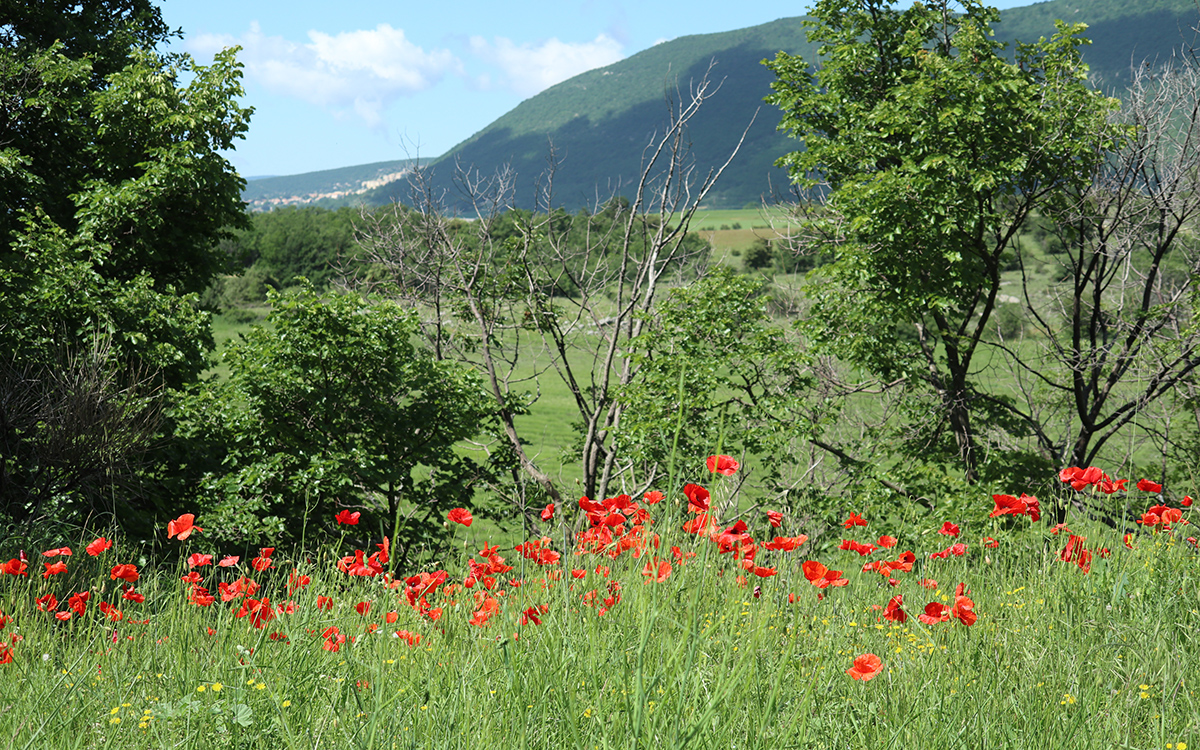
x=72, y=432
x=1117, y=332
x=582, y=300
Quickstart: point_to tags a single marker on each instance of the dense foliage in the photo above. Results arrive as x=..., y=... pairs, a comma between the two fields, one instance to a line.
x=115, y=193
x=285, y=243
x=935, y=149
x=715, y=372
x=330, y=405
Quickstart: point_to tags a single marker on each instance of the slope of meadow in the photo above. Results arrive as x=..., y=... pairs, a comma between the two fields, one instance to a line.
x=655, y=625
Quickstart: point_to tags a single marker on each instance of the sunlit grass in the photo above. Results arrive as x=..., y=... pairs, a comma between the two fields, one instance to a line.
x=702, y=658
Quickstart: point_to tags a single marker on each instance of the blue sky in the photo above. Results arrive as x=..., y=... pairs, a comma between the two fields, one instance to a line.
x=342, y=82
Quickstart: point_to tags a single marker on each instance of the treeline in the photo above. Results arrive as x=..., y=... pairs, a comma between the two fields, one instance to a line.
x=322, y=245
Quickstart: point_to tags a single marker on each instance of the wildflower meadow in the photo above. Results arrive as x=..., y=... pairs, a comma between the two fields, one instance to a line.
x=666, y=621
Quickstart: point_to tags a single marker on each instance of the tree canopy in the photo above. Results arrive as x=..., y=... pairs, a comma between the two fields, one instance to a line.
x=114, y=193
x=331, y=405
x=931, y=148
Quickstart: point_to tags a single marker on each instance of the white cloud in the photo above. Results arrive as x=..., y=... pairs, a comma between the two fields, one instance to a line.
x=356, y=71
x=529, y=69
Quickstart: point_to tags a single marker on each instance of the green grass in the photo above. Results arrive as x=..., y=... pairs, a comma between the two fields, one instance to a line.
x=1058, y=658
x=749, y=218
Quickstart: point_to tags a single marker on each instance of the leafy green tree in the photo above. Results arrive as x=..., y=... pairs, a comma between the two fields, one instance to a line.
x=114, y=193
x=330, y=405
x=714, y=375
x=289, y=242
x=759, y=256
x=929, y=147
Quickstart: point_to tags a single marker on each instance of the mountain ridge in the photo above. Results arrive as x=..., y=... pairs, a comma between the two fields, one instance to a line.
x=598, y=122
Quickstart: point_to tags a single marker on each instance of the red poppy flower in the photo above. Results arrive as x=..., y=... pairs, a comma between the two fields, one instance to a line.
x=1081, y=478
x=362, y=608
x=775, y=518
x=64, y=551
x=1084, y=560
x=1145, y=485
x=859, y=547
x=1186, y=501
x=657, y=570
x=460, y=515
x=854, y=520
x=964, y=610
x=531, y=615
x=54, y=568
x=697, y=496
x=98, y=546
x=348, y=518
x=47, y=603
x=196, y=560
x=1017, y=506
x=112, y=612
x=228, y=561
x=990, y=542
x=865, y=667
x=78, y=602
x=133, y=596
x=722, y=465
x=182, y=527
x=893, y=611
x=260, y=611
x=125, y=573
x=548, y=512
x=699, y=524
x=14, y=567
x=957, y=549
x=324, y=602
x=192, y=578
x=822, y=577
x=263, y=561
x=786, y=543
x=1076, y=552
x=297, y=581
x=934, y=613
x=949, y=529
x=653, y=497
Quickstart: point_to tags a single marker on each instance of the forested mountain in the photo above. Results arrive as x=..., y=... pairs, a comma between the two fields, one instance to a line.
x=599, y=122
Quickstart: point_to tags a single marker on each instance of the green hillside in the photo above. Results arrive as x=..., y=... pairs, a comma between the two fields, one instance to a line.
x=1123, y=32
x=600, y=121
